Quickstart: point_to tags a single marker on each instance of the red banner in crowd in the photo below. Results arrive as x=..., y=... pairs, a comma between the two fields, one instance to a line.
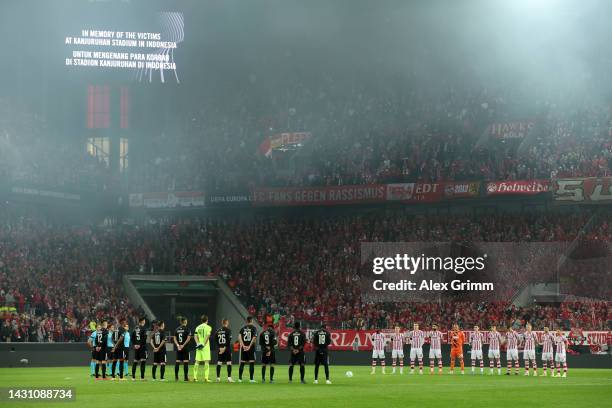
x=510, y=130
x=331, y=195
x=362, y=339
x=517, y=187
x=461, y=189
x=415, y=192
x=593, y=190
x=168, y=199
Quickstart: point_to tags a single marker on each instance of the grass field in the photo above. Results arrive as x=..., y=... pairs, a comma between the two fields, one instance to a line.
x=582, y=388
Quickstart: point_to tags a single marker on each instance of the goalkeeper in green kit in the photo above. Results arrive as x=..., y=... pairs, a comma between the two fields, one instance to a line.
x=202, y=339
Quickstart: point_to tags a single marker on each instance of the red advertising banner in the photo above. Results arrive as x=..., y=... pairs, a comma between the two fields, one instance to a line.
x=518, y=187
x=331, y=195
x=176, y=199
x=415, y=192
x=510, y=130
x=347, y=340
x=592, y=190
x=468, y=189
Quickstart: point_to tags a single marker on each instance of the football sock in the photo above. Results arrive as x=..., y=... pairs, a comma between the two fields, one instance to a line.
x=97, y=370
x=302, y=372
x=326, y=366
x=229, y=370
x=162, y=371
x=142, y=368
x=251, y=370
x=316, y=371
x=103, y=370
x=240, y=370
x=121, y=369
x=263, y=372
x=218, y=370
x=186, y=370
x=92, y=367
x=207, y=370
x=154, y=370
x=134, y=365
x=176, y=370
x=272, y=373
x=290, y=372
x=113, y=368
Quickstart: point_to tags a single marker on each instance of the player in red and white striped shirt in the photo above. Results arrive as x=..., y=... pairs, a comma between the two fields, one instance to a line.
x=378, y=350
x=397, y=352
x=435, y=348
x=547, y=351
x=417, y=338
x=560, y=358
x=476, y=345
x=495, y=340
x=529, y=350
x=512, y=338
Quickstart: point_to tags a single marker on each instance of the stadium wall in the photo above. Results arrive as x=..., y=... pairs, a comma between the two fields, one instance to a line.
x=77, y=354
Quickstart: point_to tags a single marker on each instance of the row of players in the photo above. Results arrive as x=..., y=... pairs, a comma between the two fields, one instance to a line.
x=110, y=348
x=416, y=338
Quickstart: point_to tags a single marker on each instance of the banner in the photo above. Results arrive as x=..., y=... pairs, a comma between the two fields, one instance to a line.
x=229, y=200
x=414, y=192
x=461, y=189
x=510, y=130
x=283, y=141
x=335, y=195
x=592, y=190
x=517, y=187
x=177, y=199
x=348, y=340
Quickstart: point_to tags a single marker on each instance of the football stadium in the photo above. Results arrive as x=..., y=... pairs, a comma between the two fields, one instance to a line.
x=339, y=203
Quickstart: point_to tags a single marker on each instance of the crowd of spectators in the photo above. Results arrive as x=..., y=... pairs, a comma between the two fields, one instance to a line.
x=58, y=279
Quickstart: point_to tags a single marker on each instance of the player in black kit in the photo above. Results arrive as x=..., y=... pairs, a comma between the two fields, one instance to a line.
x=223, y=340
x=247, y=337
x=321, y=340
x=181, y=338
x=139, y=339
x=296, y=342
x=158, y=342
x=267, y=341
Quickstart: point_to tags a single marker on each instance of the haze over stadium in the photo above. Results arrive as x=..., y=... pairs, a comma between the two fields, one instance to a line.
x=306, y=189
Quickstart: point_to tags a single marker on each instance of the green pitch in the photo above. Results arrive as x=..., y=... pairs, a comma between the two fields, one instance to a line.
x=583, y=388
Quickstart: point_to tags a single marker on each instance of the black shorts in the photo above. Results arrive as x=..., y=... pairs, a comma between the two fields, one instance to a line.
x=121, y=353
x=298, y=358
x=100, y=355
x=225, y=357
x=248, y=355
x=93, y=353
x=321, y=357
x=159, y=357
x=140, y=354
x=265, y=359
x=182, y=355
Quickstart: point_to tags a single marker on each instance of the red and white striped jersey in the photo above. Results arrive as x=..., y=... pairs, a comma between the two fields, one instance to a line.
x=513, y=340
x=530, y=341
x=560, y=343
x=417, y=338
x=547, y=342
x=378, y=341
x=494, y=340
x=476, y=341
x=398, y=340
x=436, y=339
